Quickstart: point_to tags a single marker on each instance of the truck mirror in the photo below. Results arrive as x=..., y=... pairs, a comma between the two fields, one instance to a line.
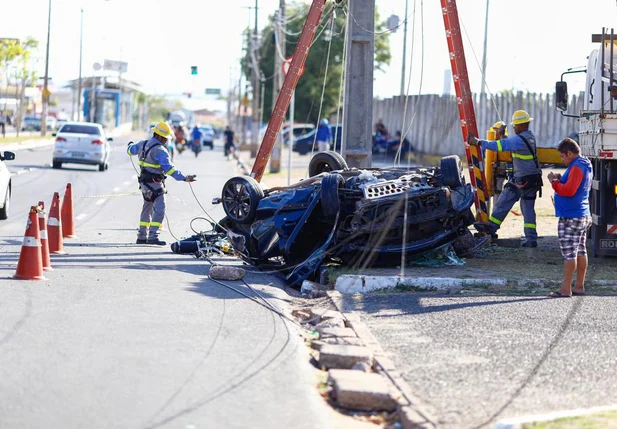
x=561, y=96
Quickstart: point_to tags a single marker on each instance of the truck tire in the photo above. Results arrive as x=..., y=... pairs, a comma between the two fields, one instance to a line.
x=325, y=162
x=452, y=172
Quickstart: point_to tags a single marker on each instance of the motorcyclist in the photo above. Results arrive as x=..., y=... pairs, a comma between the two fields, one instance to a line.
x=196, y=136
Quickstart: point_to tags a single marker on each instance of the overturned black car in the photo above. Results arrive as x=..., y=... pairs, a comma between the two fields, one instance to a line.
x=358, y=217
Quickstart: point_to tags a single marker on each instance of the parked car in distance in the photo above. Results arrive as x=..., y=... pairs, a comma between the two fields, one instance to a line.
x=31, y=123
x=207, y=135
x=82, y=143
x=5, y=185
x=304, y=144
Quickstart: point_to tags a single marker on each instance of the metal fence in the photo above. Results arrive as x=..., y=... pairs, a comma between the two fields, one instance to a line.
x=433, y=127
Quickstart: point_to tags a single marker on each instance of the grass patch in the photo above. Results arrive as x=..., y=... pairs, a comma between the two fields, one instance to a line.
x=7, y=140
x=600, y=420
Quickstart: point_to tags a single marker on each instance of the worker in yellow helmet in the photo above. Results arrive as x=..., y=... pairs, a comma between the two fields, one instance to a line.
x=155, y=166
x=526, y=181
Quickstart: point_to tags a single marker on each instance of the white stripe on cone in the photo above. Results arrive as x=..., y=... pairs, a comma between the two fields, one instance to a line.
x=44, y=234
x=52, y=221
x=31, y=242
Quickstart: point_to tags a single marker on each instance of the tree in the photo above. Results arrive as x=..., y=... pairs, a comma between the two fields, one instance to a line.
x=24, y=76
x=308, y=91
x=9, y=49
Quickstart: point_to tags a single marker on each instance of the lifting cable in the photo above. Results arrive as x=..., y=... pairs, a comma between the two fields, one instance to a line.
x=325, y=79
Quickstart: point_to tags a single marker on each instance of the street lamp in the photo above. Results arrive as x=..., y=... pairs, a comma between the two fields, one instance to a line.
x=45, y=97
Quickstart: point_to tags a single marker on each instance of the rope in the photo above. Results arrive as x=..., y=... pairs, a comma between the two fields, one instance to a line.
x=323, y=88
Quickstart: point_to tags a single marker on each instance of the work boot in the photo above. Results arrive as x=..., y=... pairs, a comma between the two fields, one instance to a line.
x=530, y=244
x=141, y=241
x=156, y=241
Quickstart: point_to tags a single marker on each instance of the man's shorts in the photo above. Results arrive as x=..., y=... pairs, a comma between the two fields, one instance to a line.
x=573, y=235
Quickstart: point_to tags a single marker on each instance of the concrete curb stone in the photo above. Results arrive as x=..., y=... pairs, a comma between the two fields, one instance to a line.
x=359, y=390
x=337, y=356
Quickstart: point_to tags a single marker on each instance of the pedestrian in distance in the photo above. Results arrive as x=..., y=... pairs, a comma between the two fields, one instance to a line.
x=572, y=208
x=155, y=166
x=526, y=182
x=230, y=145
x=324, y=136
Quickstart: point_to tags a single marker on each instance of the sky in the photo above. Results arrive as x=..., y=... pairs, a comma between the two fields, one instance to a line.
x=530, y=42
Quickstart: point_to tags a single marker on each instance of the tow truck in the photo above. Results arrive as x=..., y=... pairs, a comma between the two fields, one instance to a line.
x=598, y=137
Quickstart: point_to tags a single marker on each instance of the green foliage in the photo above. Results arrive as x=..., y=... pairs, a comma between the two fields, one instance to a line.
x=310, y=85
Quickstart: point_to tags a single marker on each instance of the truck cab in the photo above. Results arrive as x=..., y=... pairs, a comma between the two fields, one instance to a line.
x=598, y=137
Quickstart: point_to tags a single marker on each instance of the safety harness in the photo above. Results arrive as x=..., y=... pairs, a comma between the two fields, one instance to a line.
x=146, y=177
x=532, y=180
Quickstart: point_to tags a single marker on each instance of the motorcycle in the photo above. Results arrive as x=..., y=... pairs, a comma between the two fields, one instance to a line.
x=180, y=145
x=196, y=147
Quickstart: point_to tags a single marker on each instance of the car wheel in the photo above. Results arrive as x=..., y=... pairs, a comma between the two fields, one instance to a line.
x=211, y=146
x=4, y=211
x=241, y=196
x=102, y=167
x=330, y=202
x=56, y=164
x=452, y=171
x=326, y=161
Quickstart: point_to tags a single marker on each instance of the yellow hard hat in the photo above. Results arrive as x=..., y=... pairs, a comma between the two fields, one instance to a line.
x=162, y=129
x=497, y=125
x=521, y=117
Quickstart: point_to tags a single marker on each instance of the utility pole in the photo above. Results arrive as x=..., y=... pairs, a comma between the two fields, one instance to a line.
x=81, y=38
x=280, y=41
x=403, y=92
x=358, y=108
x=255, y=57
x=484, y=54
x=45, y=86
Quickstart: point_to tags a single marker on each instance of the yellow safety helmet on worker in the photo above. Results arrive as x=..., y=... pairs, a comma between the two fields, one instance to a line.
x=498, y=126
x=521, y=117
x=162, y=129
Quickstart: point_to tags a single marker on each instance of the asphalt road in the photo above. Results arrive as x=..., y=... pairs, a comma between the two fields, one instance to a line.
x=129, y=336
x=474, y=360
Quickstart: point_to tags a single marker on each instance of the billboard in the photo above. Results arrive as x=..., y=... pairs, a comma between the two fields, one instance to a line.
x=118, y=66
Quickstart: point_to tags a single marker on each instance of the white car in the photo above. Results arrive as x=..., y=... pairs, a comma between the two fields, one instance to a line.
x=207, y=135
x=82, y=143
x=5, y=185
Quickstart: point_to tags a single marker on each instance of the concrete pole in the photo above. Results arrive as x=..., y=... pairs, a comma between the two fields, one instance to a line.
x=45, y=86
x=358, y=108
x=483, y=87
x=256, y=73
x=279, y=34
x=404, y=50
x=81, y=39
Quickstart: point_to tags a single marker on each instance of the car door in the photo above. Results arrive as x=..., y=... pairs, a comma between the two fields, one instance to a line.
x=5, y=175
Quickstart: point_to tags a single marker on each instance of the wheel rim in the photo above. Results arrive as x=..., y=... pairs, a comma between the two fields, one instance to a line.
x=237, y=200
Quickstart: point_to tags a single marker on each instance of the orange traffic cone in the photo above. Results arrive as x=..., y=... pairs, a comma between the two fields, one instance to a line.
x=43, y=235
x=68, y=224
x=54, y=227
x=30, y=265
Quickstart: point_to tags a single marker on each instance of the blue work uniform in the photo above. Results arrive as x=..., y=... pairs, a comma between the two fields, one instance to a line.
x=155, y=166
x=523, y=185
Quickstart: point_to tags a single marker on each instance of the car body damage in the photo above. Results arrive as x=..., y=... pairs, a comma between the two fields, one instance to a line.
x=358, y=218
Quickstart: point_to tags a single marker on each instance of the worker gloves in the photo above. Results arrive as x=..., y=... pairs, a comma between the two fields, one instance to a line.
x=190, y=178
x=472, y=140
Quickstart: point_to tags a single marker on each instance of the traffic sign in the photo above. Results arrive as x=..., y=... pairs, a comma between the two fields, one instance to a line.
x=287, y=63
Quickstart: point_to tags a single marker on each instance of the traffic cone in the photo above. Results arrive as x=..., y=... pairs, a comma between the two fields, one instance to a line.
x=43, y=235
x=30, y=265
x=54, y=227
x=68, y=224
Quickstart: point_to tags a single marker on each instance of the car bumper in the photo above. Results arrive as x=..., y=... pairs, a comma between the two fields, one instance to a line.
x=79, y=158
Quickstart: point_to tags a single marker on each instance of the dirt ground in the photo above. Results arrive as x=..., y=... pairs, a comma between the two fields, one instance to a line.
x=506, y=259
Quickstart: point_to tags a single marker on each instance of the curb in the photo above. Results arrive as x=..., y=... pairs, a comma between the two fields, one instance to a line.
x=245, y=170
x=27, y=144
x=352, y=284
x=518, y=422
x=412, y=414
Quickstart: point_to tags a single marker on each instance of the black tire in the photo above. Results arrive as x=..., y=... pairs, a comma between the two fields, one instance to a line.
x=452, y=172
x=56, y=164
x=102, y=167
x=5, y=210
x=325, y=162
x=241, y=196
x=330, y=202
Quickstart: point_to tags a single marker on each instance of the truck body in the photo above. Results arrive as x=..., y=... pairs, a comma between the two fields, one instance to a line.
x=598, y=139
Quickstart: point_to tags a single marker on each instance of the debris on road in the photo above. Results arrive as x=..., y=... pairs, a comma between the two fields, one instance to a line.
x=224, y=272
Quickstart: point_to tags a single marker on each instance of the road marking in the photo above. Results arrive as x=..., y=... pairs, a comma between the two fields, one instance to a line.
x=80, y=216
x=116, y=189
x=101, y=201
